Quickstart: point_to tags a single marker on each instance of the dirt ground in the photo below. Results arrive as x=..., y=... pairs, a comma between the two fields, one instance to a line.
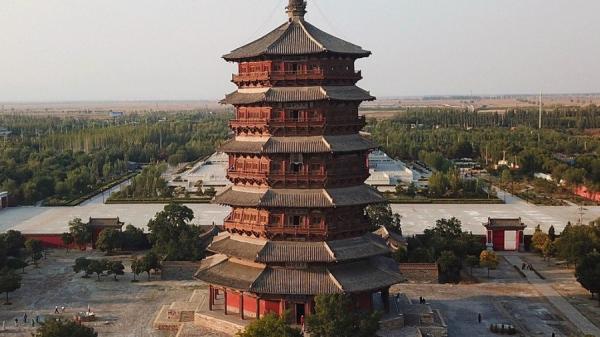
x=123, y=308
x=503, y=298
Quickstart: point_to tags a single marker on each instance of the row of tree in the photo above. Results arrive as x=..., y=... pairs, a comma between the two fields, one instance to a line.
x=42, y=160
x=146, y=264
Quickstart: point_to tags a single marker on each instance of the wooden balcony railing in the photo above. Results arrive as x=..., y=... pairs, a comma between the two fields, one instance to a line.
x=299, y=75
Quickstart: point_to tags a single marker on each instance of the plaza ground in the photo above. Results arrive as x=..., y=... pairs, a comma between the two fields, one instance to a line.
x=126, y=309
x=415, y=217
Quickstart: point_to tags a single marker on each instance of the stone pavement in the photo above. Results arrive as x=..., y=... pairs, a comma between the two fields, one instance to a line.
x=545, y=289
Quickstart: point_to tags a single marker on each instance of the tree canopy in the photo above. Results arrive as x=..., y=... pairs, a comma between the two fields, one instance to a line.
x=63, y=328
x=334, y=317
x=270, y=325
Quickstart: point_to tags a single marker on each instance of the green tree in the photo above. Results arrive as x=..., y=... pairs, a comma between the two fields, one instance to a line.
x=67, y=240
x=82, y=234
x=81, y=264
x=16, y=263
x=96, y=267
x=548, y=249
x=506, y=177
x=109, y=240
x=334, y=317
x=137, y=267
x=149, y=262
x=115, y=268
x=449, y=267
x=471, y=261
x=9, y=282
x=34, y=250
x=539, y=239
x=14, y=241
x=270, y=325
x=133, y=238
x=575, y=242
x=552, y=233
x=173, y=237
x=489, y=260
x=59, y=328
x=588, y=273
x=438, y=184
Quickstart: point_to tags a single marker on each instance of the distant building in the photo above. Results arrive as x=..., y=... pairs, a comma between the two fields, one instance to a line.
x=505, y=234
x=116, y=114
x=212, y=172
x=386, y=173
x=543, y=176
x=97, y=225
x=564, y=158
x=3, y=200
x=4, y=132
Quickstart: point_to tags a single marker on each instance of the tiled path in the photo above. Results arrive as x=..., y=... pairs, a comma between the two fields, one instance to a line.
x=545, y=289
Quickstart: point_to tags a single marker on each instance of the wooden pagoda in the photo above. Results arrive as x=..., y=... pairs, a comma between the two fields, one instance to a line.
x=298, y=164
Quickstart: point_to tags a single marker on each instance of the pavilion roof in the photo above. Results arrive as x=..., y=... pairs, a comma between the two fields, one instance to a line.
x=296, y=37
x=297, y=94
x=312, y=144
x=300, y=198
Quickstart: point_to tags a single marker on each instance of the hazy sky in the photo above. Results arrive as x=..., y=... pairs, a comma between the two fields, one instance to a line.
x=52, y=50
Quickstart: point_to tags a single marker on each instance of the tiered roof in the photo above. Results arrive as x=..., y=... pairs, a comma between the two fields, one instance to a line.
x=264, y=251
x=313, y=144
x=297, y=94
x=366, y=275
x=300, y=198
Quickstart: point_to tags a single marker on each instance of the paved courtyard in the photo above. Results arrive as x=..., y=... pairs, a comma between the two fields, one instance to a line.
x=416, y=217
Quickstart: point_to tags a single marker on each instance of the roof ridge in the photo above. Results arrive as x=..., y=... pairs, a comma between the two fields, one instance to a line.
x=329, y=250
x=329, y=197
x=312, y=38
x=334, y=280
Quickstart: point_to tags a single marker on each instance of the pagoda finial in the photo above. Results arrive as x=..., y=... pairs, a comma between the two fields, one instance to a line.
x=296, y=9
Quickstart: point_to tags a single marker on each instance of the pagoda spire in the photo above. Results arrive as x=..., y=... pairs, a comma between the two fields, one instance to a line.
x=296, y=9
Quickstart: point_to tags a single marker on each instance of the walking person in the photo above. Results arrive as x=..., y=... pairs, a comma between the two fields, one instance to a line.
x=25, y=318
x=56, y=310
x=479, y=318
x=302, y=322
x=16, y=322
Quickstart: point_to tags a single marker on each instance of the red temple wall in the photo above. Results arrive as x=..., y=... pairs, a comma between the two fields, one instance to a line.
x=49, y=240
x=250, y=304
x=268, y=306
x=233, y=302
x=583, y=192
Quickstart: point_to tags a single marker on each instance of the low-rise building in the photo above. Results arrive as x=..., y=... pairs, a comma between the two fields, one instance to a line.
x=211, y=172
x=504, y=234
x=386, y=173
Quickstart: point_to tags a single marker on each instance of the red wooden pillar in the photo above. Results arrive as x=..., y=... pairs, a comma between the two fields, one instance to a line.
x=210, y=298
x=225, y=297
x=242, y=305
x=257, y=308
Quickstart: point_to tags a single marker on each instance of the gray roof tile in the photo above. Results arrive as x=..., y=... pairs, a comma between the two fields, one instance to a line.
x=296, y=37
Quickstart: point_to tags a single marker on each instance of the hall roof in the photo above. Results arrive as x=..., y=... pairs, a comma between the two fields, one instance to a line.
x=297, y=94
x=296, y=37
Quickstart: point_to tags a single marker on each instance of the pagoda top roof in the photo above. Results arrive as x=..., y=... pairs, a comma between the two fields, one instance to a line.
x=296, y=37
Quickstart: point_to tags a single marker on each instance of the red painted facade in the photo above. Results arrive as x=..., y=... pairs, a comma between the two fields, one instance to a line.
x=584, y=192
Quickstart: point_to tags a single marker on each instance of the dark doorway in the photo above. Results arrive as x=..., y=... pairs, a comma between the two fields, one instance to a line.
x=299, y=312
